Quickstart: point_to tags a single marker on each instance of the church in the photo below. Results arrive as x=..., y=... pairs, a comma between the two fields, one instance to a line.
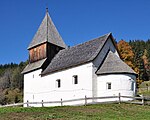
x=56, y=71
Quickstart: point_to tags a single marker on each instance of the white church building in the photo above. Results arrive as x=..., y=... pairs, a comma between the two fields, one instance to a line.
x=92, y=69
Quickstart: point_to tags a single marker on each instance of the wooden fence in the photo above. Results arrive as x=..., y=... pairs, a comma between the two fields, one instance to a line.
x=118, y=99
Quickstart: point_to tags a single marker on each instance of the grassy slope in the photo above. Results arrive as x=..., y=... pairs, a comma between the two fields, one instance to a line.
x=91, y=112
x=143, y=88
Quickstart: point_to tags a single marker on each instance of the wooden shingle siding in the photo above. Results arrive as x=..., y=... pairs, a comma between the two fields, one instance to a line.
x=37, y=53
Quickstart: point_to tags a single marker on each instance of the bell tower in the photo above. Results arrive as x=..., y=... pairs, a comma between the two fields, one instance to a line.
x=45, y=44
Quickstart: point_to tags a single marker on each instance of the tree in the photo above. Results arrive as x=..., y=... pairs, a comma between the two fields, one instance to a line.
x=141, y=58
x=148, y=58
x=127, y=55
x=11, y=82
x=17, y=79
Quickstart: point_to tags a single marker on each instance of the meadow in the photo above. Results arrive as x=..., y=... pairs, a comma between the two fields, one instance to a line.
x=90, y=112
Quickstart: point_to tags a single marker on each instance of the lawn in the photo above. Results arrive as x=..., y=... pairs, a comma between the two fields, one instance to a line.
x=90, y=112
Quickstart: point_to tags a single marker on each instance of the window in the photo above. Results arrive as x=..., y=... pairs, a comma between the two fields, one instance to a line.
x=75, y=79
x=132, y=86
x=58, y=84
x=108, y=86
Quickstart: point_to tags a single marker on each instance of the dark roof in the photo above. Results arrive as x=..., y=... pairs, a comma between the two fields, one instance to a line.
x=113, y=64
x=76, y=55
x=33, y=66
x=47, y=32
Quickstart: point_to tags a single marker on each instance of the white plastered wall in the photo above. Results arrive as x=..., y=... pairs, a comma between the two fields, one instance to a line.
x=45, y=88
x=99, y=59
x=31, y=85
x=125, y=84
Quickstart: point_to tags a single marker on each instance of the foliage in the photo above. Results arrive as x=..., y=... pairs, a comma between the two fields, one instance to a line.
x=11, y=83
x=136, y=53
x=127, y=55
x=13, y=96
x=90, y=112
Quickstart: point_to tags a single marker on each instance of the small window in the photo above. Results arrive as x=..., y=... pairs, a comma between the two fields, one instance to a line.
x=132, y=86
x=58, y=84
x=75, y=79
x=108, y=86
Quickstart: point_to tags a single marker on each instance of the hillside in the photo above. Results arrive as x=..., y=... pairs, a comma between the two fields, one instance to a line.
x=91, y=112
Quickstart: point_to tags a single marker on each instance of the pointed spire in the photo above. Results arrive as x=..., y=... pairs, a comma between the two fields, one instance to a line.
x=47, y=32
x=47, y=22
x=46, y=9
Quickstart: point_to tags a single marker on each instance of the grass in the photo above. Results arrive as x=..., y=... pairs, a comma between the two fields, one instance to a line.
x=144, y=88
x=90, y=112
x=145, y=93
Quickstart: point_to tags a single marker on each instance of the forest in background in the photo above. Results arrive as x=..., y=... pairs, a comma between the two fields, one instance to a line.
x=11, y=83
x=136, y=53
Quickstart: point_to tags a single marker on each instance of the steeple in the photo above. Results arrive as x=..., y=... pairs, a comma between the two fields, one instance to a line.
x=47, y=41
x=47, y=32
x=47, y=10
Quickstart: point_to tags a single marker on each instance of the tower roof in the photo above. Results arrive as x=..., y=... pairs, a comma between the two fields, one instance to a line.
x=47, y=32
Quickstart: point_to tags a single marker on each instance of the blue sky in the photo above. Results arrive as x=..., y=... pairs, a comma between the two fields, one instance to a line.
x=76, y=20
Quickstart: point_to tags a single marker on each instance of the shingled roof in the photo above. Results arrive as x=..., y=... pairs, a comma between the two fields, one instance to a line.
x=76, y=55
x=47, y=32
x=113, y=64
x=33, y=66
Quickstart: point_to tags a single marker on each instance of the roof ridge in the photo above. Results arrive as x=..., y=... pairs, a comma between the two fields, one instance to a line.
x=91, y=40
x=47, y=23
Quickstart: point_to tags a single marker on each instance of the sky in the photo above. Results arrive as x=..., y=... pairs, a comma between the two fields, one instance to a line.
x=76, y=20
